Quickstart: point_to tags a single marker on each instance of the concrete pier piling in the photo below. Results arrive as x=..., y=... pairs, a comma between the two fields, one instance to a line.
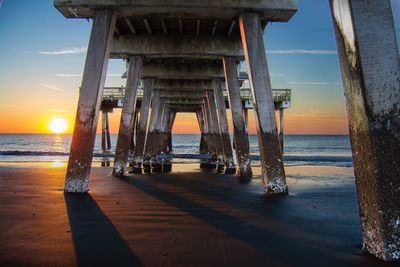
x=127, y=117
x=281, y=129
x=104, y=130
x=152, y=143
x=133, y=135
x=216, y=130
x=166, y=163
x=223, y=125
x=246, y=118
x=81, y=153
x=142, y=125
x=172, y=117
x=133, y=139
x=264, y=110
x=210, y=137
x=105, y=137
x=370, y=66
x=200, y=121
x=156, y=165
x=241, y=139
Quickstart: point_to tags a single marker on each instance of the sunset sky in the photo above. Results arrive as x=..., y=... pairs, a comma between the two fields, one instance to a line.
x=42, y=55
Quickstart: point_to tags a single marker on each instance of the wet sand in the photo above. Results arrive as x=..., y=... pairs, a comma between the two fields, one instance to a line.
x=186, y=218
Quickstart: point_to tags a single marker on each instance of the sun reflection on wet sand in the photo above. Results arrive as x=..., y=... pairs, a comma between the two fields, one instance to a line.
x=58, y=164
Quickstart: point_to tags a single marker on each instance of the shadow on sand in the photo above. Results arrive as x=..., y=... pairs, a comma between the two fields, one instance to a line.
x=96, y=240
x=294, y=244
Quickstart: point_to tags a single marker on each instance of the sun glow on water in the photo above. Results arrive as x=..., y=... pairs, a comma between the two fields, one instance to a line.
x=58, y=125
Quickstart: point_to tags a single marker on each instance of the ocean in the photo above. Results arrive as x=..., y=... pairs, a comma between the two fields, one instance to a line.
x=300, y=150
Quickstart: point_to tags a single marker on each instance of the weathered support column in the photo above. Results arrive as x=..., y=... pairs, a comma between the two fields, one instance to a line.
x=151, y=132
x=246, y=118
x=263, y=103
x=133, y=135
x=81, y=153
x=103, y=136
x=156, y=165
x=164, y=129
x=216, y=130
x=241, y=139
x=281, y=133
x=210, y=140
x=108, y=136
x=172, y=117
x=142, y=125
x=103, y=131
x=166, y=163
x=200, y=121
x=370, y=66
x=133, y=139
x=127, y=117
x=208, y=128
x=212, y=125
x=223, y=125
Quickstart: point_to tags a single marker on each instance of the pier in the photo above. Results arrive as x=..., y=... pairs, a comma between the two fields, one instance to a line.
x=186, y=53
x=187, y=102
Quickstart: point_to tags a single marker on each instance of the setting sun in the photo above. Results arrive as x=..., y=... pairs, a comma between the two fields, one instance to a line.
x=58, y=125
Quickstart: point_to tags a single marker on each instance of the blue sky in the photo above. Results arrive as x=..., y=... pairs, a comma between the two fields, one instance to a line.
x=42, y=55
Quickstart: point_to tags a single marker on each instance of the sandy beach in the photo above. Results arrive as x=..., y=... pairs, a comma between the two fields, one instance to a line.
x=185, y=218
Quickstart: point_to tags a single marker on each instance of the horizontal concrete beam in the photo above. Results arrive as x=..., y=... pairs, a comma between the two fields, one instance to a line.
x=181, y=94
x=165, y=70
x=183, y=108
x=161, y=46
x=184, y=85
x=271, y=10
x=182, y=102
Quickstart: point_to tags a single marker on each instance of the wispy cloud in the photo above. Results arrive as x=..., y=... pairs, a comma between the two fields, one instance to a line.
x=80, y=75
x=52, y=87
x=302, y=51
x=276, y=74
x=315, y=83
x=71, y=50
x=67, y=75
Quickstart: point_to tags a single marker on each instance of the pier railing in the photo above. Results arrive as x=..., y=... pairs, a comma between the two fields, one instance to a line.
x=117, y=93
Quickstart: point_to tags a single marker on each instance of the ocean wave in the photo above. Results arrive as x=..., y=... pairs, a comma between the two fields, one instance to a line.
x=32, y=153
x=291, y=160
x=45, y=153
x=312, y=158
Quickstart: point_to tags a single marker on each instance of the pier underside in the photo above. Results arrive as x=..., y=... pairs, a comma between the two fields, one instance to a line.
x=152, y=35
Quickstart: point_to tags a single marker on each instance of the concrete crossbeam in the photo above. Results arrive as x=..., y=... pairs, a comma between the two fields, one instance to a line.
x=173, y=70
x=272, y=10
x=172, y=46
x=182, y=102
x=182, y=84
x=182, y=94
